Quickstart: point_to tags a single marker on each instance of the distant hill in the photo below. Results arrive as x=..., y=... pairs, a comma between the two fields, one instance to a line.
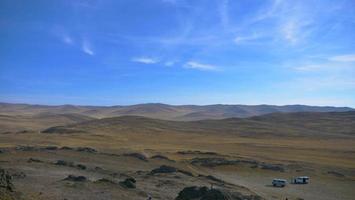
x=331, y=124
x=164, y=111
x=38, y=121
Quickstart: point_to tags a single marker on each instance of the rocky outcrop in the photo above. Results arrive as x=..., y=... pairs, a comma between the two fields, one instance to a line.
x=6, y=180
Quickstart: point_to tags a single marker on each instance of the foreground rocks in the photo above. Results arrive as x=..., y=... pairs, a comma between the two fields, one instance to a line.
x=204, y=193
x=6, y=180
x=76, y=178
x=128, y=183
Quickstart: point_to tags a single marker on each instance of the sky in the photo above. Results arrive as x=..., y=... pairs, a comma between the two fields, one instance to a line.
x=121, y=52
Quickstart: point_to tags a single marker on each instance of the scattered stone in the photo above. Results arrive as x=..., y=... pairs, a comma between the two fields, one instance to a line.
x=164, y=169
x=169, y=169
x=105, y=180
x=19, y=175
x=66, y=148
x=128, y=183
x=137, y=155
x=197, y=152
x=212, y=162
x=75, y=178
x=272, y=167
x=80, y=166
x=161, y=157
x=189, y=193
x=337, y=174
x=52, y=148
x=6, y=180
x=25, y=148
x=86, y=149
x=64, y=163
x=185, y=172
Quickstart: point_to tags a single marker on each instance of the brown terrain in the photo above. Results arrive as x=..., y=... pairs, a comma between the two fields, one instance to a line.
x=175, y=152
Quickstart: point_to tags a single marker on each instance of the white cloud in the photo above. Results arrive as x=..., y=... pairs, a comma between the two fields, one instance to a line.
x=223, y=12
x=145, y=60
x=245, y=39
x=343, y=58
x=67, y=39
x=200, y=66
x=87, y=48
x=169, y=63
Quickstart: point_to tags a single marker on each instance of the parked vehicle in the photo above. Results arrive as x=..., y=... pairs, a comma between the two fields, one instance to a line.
x=301, y=180
x=279, y=182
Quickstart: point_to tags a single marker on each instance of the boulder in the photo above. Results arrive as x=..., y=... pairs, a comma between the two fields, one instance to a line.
x=137, y=155
x=6, y=180
x=75, y=178
x=128, y=183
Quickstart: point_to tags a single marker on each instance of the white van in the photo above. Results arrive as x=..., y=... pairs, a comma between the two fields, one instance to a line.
x=279, y=182
x=301, y=180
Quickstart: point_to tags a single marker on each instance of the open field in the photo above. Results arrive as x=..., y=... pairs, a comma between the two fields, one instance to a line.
x=237, y=156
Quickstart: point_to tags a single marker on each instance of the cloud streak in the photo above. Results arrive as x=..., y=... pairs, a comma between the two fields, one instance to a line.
x=343, y=58
x=87, y=48
x=200, y=66
x=145, y=60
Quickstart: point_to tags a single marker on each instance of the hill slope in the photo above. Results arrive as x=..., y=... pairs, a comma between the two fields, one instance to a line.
x=340, y=124
x=164, y=111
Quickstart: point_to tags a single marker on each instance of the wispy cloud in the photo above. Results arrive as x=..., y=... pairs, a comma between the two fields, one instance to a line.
x=145, y=60
x=223, y=12
x=343, y=58
x=63, y=35
x=87, y=48
x=200, y=66
x=67, y=39
x=294, y=31
x=169, y=63
x=247, y=39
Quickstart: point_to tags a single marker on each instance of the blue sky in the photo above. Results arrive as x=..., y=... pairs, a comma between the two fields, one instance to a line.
x=109, y=52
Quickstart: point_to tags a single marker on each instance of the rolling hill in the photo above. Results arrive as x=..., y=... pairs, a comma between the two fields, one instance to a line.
x=333, y=124
x=164, y=111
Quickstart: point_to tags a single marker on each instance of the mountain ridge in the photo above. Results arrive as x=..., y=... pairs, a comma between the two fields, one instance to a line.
x=165, y=111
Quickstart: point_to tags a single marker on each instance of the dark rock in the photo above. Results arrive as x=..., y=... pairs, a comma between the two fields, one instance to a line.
x=66, y=148
x=75, y=178
x=190, y=193
x=212, y=162
x=185, y=172
x=105, y=180
x=64, y=163
x=86, y=149
x=52, y=148
x=161, y=157
x=203, y=193
x=30, y=160
x=210, y=177
x=25, y=148
x=272, y=167
x=137, y=155
x=168, y=169
x=6, y=180
x=337, y=174
x=80, y=166
x=164, y=169
x=214, y=194
x=197, y=152
x=128, y=183
x=19, y=175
